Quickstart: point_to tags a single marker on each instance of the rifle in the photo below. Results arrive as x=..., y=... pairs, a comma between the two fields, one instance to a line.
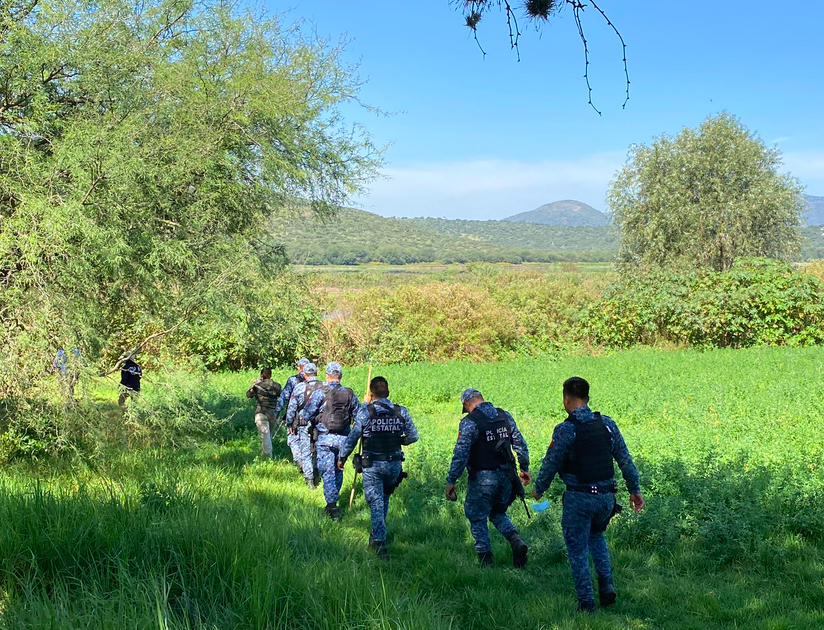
x=360, y=446
x=503, y=447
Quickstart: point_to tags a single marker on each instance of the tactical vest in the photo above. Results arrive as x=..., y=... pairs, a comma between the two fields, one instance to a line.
x=591, y=456
x=384, y=433
x=485, y=454
x=311, y=388
x=337, y=415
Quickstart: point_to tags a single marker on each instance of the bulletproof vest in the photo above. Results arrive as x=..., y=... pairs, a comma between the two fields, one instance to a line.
x=485, y=454
x=384, y=432
x=266, y=393
x=311, y=388
x=337, y=416
x=591, y=456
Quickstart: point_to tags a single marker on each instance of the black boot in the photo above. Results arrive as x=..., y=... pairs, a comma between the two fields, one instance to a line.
x=310, y=482
x=379, y=547
x=486, y=559
x=519, y=550
x=332, y=511
x=587, y=607
x=606, y=592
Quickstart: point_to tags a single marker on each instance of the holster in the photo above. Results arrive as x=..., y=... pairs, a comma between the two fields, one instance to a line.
x=357, y=462
x=398, y=482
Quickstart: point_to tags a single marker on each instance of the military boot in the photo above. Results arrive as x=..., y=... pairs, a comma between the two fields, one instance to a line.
x=332, y=511
x=310, y=482
x=587, y=607
x=606, y=592
x=519, y=550
x=486, y=559
x=379, y=547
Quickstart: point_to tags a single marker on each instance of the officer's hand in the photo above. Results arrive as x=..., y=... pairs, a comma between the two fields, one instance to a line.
x=341, y=464
x=525, y=477
x=537, y=495
x=451, y=493
x=637, y=502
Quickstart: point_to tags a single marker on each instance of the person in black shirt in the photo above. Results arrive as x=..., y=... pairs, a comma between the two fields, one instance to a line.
x=130, y=375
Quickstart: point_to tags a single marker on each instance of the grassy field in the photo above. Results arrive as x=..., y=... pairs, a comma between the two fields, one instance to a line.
x=728, y=444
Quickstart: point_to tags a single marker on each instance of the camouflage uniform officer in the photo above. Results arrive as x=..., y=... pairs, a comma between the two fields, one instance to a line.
x=283, y=402
x=485, y=437
x=331, y=414
x=385, y=427
x=266, y=392
x=581, y=452
x=296, y=420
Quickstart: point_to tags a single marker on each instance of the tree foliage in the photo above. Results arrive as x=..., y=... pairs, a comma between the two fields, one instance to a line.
x=143, y=143
x=705, y=198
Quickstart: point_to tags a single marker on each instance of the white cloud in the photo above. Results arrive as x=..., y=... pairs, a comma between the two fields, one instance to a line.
x=489, y=189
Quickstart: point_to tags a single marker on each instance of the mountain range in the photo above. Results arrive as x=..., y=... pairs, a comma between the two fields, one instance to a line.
x=815, y=213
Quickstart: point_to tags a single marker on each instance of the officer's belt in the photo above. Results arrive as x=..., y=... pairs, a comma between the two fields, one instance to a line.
x=610, y=489
x=385, y=457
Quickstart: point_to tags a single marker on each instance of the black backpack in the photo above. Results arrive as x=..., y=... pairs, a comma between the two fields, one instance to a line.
x=337, y=416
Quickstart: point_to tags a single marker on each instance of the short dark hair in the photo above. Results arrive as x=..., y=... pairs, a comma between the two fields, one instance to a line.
x=576, y=387
x=379, y=387
x=266, y=372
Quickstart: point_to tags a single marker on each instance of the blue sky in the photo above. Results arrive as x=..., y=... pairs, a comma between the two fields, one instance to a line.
x=485, y=137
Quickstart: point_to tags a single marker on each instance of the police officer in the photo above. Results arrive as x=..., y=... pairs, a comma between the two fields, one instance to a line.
x=581, y=452
x=266, y=392
x=485, y=438
x=283, y=402
x=331, y=413
x=385, y=427
x=296, y=421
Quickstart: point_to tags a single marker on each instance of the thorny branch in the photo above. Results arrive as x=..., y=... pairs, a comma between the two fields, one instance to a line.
x=543, y=10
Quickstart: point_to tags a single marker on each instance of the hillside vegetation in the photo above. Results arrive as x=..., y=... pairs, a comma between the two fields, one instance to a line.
x=355, y=236
x=528, y=235
x=566, y=213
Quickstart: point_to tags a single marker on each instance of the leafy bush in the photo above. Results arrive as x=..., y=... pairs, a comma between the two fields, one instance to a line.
x=757, y=302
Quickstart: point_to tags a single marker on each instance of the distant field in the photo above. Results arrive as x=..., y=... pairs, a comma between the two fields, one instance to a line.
x=378, y=274
x=728, y=444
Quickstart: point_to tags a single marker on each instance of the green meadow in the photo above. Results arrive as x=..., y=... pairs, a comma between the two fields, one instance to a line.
x=728, y=443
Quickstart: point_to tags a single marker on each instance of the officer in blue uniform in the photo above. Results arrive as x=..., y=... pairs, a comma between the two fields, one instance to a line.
x=283, y=403
x=581, y=453
x=485, y=438
x=296, y=421
x=385, y=428
x=331, y=415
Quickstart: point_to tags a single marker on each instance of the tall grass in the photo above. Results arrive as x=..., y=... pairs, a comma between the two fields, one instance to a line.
x=728, y=444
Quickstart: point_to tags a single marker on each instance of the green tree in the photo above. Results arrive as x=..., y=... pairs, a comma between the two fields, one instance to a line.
x=705, y=198
x=143, y=144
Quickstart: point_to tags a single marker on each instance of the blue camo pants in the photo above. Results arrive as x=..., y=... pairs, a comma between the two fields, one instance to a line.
x=488, y=496
x=584, y=521
x=328, y=447
x=378, y=480
x=292, y=443
x=304, y=447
